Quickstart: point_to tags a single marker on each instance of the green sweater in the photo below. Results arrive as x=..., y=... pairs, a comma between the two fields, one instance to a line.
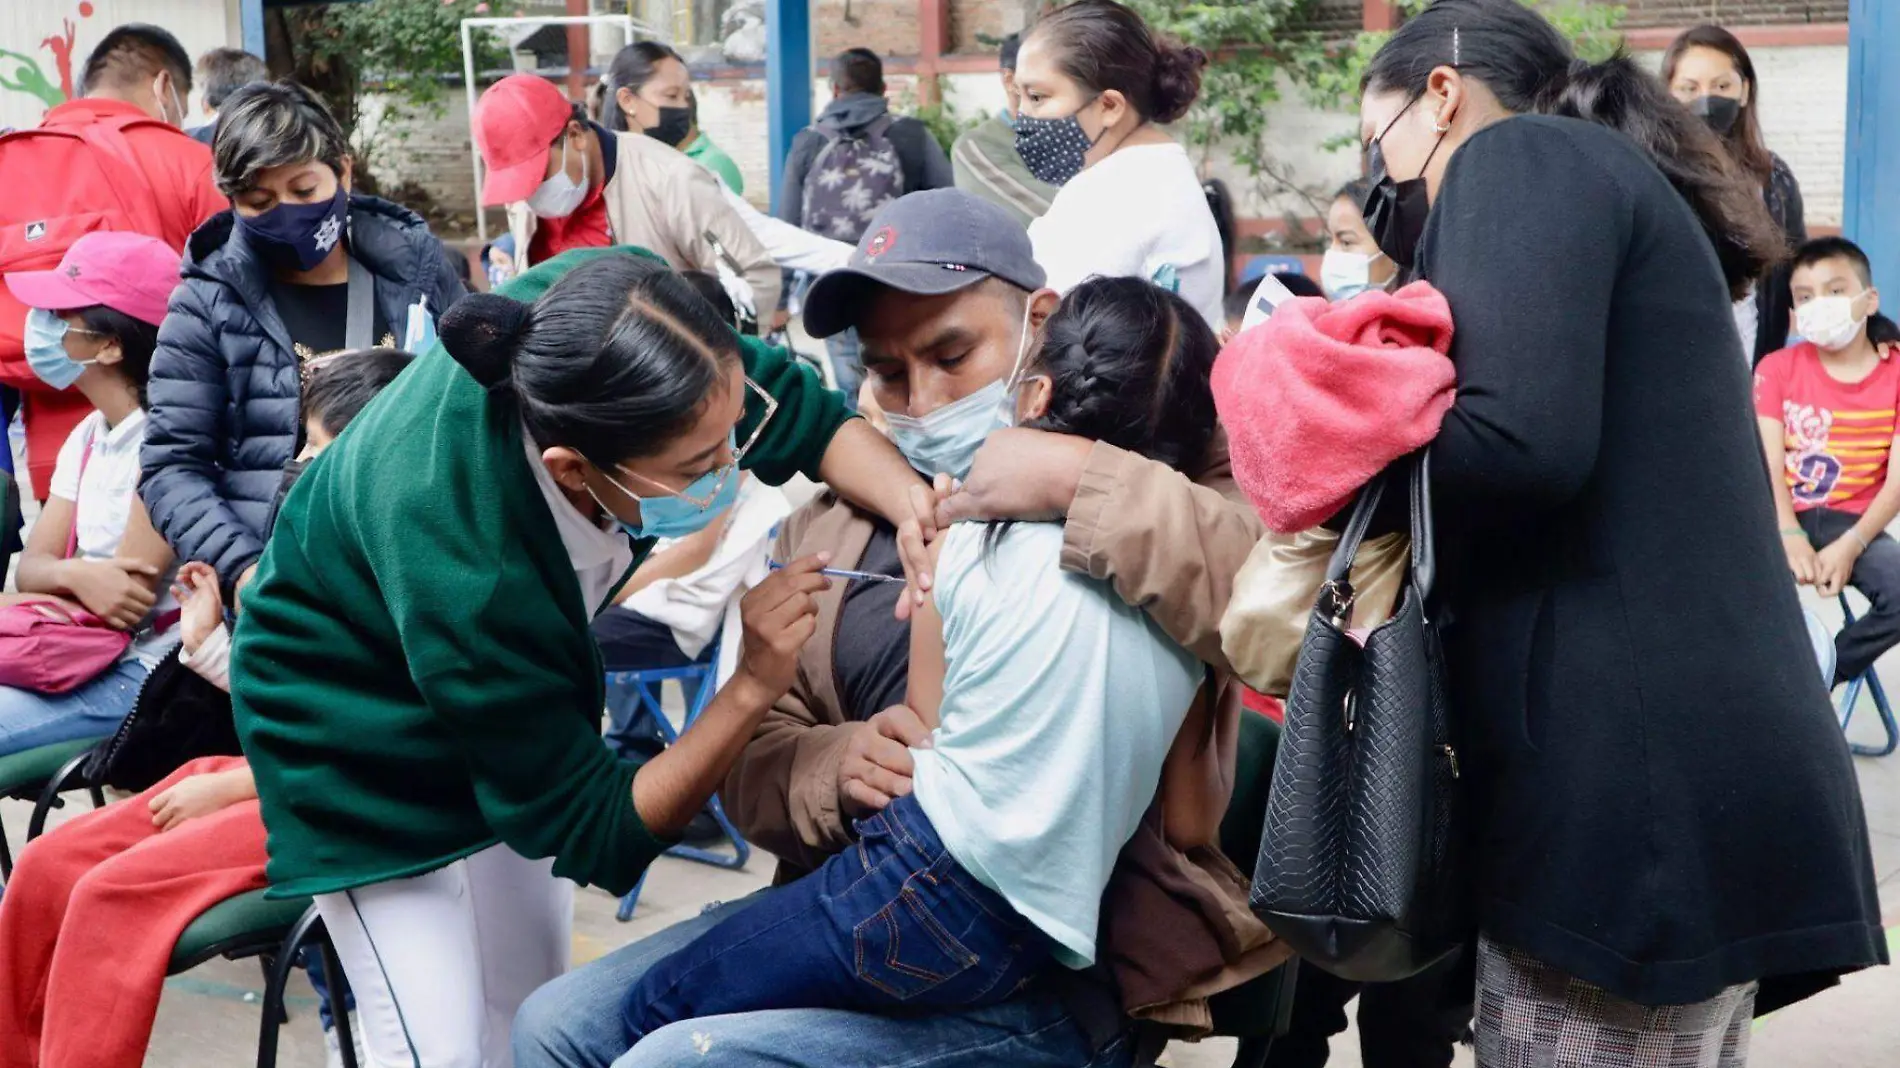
x=414, y=677
x=710, y=156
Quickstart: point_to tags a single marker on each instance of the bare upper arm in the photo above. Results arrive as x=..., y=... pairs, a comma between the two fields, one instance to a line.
x=925, y=692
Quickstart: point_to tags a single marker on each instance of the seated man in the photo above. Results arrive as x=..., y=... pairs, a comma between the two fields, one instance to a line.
x=1826, y=408
x=938, y=348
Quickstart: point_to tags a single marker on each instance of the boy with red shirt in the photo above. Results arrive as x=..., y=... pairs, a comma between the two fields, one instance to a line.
x=1827, y=411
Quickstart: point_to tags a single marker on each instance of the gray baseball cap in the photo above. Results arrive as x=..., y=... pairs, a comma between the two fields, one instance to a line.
x=927, y=244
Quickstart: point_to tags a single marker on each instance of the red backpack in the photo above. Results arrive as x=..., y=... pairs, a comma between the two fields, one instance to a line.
x=61, y=183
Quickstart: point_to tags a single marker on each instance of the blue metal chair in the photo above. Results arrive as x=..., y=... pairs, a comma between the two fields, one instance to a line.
x=636, y=694
x=1850, y=699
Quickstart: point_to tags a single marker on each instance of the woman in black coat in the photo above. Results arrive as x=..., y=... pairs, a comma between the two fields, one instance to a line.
x=1711, y=73
x=1664, y=811
x=265, y=291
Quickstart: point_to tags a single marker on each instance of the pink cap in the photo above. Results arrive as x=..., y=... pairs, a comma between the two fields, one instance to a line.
x=516, y=122
x=129, y=273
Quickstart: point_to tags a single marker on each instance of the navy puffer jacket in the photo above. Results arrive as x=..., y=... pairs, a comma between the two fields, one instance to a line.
x=225, y=404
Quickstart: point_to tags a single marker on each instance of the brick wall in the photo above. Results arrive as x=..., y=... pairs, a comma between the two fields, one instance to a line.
x=887, y=27
x=1646, y=13
x=1337, y=19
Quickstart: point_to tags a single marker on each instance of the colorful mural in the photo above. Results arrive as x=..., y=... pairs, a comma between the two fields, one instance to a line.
x=23, y=74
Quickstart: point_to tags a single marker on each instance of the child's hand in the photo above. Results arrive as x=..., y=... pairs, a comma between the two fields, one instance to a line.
x=196, y=589
x=1834, y=565
x=1801, y=559
x=192, y=797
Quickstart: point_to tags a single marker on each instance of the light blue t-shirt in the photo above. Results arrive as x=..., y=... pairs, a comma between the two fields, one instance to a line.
x=1060, y=703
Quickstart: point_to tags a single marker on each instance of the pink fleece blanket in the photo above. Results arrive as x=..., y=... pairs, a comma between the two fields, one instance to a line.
x=1321, y=397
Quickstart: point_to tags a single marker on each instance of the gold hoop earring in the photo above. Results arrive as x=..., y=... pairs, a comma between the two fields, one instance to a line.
x=1440, y=127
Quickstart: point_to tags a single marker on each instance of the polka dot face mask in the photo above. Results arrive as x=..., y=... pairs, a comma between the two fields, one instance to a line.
x=1055, y=150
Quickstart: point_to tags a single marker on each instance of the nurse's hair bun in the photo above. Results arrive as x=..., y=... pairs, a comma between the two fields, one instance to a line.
x=483, y=331
x=1177, y=79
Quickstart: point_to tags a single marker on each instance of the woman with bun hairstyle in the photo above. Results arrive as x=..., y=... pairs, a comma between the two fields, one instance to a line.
x=1666, y=832
x=414, y=679
x=1709, y=70
x=1095, y=84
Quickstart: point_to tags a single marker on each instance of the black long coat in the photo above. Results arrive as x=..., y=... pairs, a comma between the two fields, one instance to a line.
x=1665, y=805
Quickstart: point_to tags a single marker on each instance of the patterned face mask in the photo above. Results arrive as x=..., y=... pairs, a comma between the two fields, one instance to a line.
x=1055, y=150
x=299, y=236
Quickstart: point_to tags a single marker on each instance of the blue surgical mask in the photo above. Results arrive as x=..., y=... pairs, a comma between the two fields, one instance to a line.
x=46, y=350
x=677, y=514
x=297, y=237
x=945, y=441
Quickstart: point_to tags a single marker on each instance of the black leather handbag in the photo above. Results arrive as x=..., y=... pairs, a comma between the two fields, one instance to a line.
x=1359, y=867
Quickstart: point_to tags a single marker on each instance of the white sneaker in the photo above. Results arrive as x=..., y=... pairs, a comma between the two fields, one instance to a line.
x=333, y=1050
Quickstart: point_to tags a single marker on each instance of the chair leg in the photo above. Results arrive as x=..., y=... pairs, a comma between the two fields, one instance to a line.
x=630, y=900
x=1850, y=700
x=279, y=978
x=6, y=857
x=339, y=990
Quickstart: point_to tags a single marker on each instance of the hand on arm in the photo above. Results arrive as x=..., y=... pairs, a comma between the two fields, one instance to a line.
x=202, y=605
x=780, y=616
x=120, y=591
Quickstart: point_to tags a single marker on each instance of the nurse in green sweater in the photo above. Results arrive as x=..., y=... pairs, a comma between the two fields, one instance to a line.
x=414, y=679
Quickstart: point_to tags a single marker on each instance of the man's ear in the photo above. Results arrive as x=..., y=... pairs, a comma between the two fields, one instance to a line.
x=1042, y=304
x=566, y=467
x=1873, y=302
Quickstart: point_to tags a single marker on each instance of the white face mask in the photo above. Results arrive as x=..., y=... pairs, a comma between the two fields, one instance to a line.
x=1829, y=322
x=178, y=105
x=1345, y=274
x=557, y=197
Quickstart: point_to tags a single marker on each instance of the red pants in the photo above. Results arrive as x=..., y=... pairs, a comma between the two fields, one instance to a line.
x=88, y=922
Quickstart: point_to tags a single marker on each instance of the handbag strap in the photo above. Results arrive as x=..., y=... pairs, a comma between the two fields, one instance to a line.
x=1356, y=526
x=1424, y=553
x=359, y=328
x=85, y=457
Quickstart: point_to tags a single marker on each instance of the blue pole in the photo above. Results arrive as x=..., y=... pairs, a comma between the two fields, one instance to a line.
x=251, y=18
x=1872, y=189
x=787, y=80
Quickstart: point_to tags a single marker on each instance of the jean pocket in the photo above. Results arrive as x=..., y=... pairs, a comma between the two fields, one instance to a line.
x=905, y=952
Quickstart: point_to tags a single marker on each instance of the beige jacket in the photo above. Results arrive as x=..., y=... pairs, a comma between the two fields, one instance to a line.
x=1168, y=546
x=667, y=204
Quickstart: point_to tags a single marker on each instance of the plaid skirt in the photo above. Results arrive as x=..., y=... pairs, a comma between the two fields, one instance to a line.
x=1530, y=1015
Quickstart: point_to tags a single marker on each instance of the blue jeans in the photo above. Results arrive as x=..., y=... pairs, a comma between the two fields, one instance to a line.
x=894, y=922
x=574, y=1022
x=29, y=720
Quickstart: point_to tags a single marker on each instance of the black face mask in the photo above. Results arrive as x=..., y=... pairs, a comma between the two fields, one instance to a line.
x=1395, y=212
x=1720, y=112
x=674, y=125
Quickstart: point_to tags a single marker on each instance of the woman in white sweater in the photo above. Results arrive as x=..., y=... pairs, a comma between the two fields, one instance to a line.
x=1095, y=81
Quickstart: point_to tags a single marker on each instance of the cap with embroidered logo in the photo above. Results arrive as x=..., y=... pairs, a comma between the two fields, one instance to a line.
x=926, y=244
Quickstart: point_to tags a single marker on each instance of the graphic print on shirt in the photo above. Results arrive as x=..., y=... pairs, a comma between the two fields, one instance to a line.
x=1834, y=455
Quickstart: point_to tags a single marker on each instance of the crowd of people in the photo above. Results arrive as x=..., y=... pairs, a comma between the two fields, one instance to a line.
x=986, y=697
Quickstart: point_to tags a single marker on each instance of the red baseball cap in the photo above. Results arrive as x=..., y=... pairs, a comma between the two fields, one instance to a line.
x=129, y=273
x=516, y=122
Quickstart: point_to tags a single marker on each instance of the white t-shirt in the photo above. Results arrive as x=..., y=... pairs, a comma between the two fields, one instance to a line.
x=102, y=502
x=1132, y=215
x=1059, y=704
x=600, y=553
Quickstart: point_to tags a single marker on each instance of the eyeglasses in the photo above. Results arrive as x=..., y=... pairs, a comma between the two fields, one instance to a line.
x=738, y=456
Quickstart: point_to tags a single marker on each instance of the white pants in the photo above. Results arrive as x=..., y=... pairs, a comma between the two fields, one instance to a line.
x=440, y=962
